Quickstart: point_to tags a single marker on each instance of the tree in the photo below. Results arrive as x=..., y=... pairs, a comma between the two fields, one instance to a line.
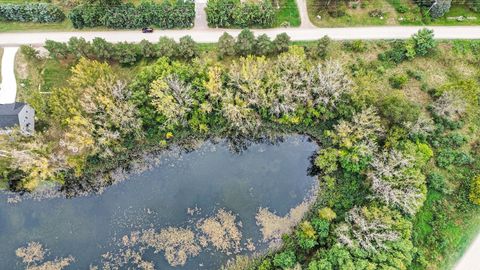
x=226, y=46
x=126, y=53
x=396, y=180
x=187, y=48
x=281, y=43
x=79, y=47
x=450, y=106
x=148, y=50
x=245, y=44
x=320, y=48
x=102, y=49
x=439, y=8
x=369, y=228
x=56, y=49
x=306, y=235
x=167, y=47
x=173, y=99
x=396, y=108
x=424, y=42
x=285, y=259
x=263, y=45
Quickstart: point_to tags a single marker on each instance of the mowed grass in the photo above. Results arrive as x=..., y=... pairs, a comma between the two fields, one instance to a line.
x=355, y=15
x=469, y=17
x=54, y=75
x=397, y=12
x=287, y=13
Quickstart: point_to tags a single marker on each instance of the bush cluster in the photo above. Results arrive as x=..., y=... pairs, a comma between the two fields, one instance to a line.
x=123, y=53
x=420, y=44
x=234, y=13
x=31, y=12
x=246, y=44
x=165, y=15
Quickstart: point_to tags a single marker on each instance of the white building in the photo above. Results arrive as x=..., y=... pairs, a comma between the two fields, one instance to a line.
x=17, y=114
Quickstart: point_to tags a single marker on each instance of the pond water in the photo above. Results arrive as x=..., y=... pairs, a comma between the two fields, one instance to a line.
x=200, y=192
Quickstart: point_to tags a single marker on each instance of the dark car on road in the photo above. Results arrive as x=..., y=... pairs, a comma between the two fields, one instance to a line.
x=147, y=30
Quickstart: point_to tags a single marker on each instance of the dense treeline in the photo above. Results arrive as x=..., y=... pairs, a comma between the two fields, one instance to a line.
x=235, y=13
x=31, y=12
x=186, y=49
x=165, y=15
x=124, y=53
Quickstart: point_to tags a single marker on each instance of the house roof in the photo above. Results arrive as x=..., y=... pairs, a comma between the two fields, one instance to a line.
x=9, y=114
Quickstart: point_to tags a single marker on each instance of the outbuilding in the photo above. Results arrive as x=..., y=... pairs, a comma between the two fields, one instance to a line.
x=17, y=114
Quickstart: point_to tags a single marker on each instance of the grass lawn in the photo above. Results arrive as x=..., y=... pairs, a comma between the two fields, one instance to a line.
x=452, y=17
x=355, y=15
x=287, y=13
x=396, y=12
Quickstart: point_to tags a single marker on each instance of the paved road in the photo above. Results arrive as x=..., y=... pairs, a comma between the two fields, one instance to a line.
x=471, y=258
x=302, y=9
x=200, y=16
x=8, y=87
x=212, y=35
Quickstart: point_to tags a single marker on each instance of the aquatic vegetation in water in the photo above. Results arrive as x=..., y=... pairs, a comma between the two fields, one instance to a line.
x=222, y=231
x=33, y=255
x=273, y=226
x=177, y=243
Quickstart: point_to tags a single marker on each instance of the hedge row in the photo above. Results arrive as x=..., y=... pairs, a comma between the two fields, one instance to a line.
x=31, y=12
x=123, y=53
x=165, y=15
x=233, y=13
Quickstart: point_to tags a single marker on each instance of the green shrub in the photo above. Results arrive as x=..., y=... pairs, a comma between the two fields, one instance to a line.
x=265, y=265
x=187, y=48
x=285, y=259
x=322, y=227
x=31, y=12
x=396, y=54
x=126, y=53
x=355, y=46
x=226, y=46
x=398, y=81
x=102, y=49
x=397, y=109
x=423, y=41
x=167, y=47
x=474, y=195
x=281, y=43
x=401, y=8
x=29, y=52
x=414, y=74
x=436, y=181
x=306, y=235
x=245, y=44
x=320, y=48
x=263, y=45
x=327, y=213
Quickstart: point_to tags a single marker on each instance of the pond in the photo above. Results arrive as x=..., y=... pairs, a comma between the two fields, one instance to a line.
x=194, y=210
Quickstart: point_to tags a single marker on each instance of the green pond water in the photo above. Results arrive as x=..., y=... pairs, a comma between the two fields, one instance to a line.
x=273, y=176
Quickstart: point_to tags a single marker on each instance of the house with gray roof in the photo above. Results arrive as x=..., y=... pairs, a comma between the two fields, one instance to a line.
x=17, y=114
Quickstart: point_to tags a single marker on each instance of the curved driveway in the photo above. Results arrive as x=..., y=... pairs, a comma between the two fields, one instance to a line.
x=212, y=35
x=8, y=86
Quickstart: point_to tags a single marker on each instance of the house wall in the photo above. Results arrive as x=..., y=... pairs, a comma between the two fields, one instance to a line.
x=26, y=119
